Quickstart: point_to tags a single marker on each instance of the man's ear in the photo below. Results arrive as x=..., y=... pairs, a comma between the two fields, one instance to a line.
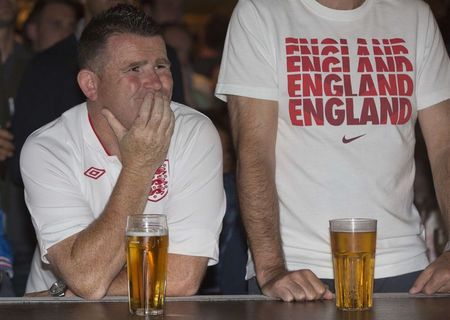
x=88, y=82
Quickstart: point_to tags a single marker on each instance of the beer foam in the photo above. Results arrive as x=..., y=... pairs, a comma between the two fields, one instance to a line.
x=150, y=233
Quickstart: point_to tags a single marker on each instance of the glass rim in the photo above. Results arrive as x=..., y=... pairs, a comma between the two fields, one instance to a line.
x=148, y=216
x=146, y=223
x=353, y=225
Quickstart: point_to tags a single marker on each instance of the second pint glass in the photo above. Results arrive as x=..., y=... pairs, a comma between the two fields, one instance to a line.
x=353, y=243
x=147, y=244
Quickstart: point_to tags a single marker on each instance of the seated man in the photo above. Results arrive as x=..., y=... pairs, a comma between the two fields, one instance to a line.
x=127, y=150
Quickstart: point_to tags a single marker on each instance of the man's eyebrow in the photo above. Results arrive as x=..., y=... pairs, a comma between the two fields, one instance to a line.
x=133, y=64
x=163, y=61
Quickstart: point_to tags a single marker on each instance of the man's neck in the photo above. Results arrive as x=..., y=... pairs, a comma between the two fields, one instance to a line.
x=6, y=43
x=103, y=130
x=341, y=4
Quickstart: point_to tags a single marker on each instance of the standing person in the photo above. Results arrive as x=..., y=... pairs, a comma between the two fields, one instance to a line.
x=48, y=89
x=85, y=172
x=323, y=118
x=13, y=60
x=13, y=57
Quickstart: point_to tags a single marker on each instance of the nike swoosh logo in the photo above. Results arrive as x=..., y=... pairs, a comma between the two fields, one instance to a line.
x=345, y=140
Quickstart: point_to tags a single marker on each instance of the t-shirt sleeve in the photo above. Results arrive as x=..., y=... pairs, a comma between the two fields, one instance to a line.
x=54, y=200
x=433, y=85
x=197, y=201
x=248, y=66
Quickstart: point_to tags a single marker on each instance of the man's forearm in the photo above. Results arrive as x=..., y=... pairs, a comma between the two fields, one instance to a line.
x=260, y=213
x=97, y=254
x=181, y=280
x=184, y=274
x=441, y=176
x=435, y=124
x=254, y=125
x=108, y=230
x=119, y=286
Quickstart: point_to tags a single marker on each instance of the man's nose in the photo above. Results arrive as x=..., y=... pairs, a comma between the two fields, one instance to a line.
x=152, y=80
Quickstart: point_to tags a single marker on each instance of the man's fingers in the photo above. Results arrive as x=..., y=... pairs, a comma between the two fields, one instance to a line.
x=6, y=145
x=421, y=281
x=143, y=116
x=313, y=287
x=116, y=126
x=6, y=135
x=328, y=295
x=4, y=154
x=6, y=148
x=276, y=290
x=171, y=126
x=300, y=292
x=298, y=285
x=162, y=118
x=157, y=112
x=303, y=289
x=439, y=282
x=285, y=294
x=435, y=278
x=320, y=289
x=168, y=118
x=445, y=288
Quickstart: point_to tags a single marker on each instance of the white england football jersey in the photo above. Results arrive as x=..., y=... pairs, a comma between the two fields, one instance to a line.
x=69, y=177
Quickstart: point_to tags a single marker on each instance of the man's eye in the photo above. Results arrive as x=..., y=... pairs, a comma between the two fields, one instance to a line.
x=162, y=66
x=135, y=68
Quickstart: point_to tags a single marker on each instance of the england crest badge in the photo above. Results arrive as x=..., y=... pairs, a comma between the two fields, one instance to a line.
x=160, y=183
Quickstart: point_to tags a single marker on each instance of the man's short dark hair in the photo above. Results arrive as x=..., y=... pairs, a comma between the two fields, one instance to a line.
x=123, y=18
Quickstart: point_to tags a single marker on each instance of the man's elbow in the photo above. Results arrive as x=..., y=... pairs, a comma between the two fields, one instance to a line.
x=89, y=290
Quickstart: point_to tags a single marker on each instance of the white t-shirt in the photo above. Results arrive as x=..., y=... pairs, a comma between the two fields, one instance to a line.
x=69, y=177
x=349, y=84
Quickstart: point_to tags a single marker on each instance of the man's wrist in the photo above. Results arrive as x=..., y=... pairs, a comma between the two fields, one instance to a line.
x=269, y=273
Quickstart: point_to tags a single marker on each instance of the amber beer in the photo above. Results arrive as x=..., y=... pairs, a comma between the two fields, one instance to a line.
x=353, y=243
x=147, y=265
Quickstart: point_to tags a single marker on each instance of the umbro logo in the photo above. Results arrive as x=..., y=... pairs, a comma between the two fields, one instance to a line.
x=94, y=173
x=348, y=140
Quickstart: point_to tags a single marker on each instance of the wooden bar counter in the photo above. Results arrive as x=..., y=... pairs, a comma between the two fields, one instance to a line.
x=386, y=307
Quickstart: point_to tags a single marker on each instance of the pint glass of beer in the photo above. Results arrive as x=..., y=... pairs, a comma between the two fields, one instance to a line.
x=147, y=243
x=353, y=243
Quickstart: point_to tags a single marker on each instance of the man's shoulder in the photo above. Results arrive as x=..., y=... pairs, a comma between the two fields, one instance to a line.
x=188, y=115
x=54, y=144
x=190, y=122
x=193, y=128
x=57, y=131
